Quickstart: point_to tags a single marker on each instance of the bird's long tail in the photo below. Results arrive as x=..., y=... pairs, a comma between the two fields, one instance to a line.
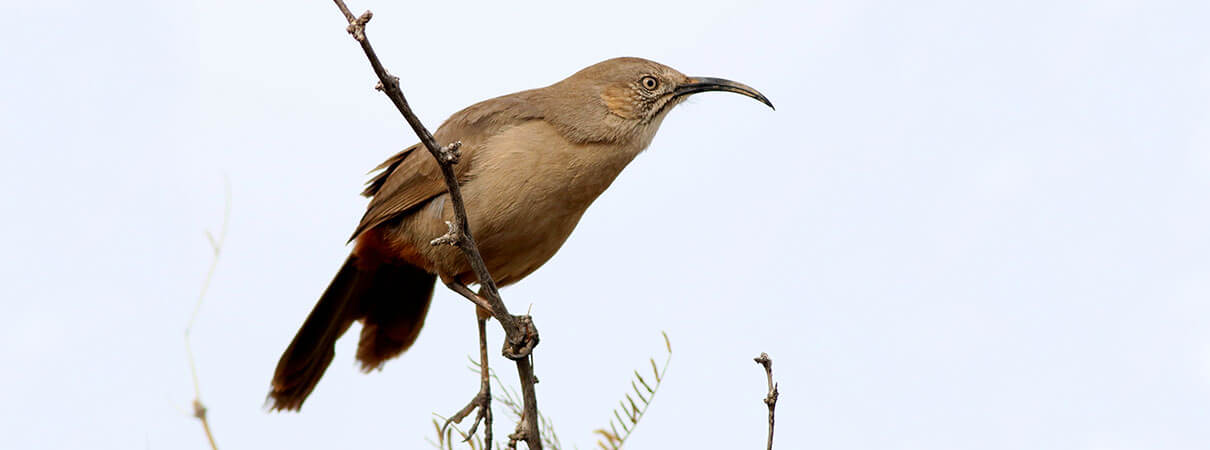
x=390, y=299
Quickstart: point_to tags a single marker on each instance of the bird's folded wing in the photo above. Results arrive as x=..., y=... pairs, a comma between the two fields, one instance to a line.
x=406, y=180
x=412, y=176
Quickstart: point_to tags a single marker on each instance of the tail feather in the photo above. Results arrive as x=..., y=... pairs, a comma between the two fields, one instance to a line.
x=394, y=314
x=392, y=300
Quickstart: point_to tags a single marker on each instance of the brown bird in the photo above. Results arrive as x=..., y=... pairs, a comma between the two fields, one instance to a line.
x=531, y=164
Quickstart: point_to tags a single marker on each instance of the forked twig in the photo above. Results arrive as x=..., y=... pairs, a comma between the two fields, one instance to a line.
x=216, y=246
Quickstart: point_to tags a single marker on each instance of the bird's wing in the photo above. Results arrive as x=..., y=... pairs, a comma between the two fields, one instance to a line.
x=411, y=177
x=404, y=180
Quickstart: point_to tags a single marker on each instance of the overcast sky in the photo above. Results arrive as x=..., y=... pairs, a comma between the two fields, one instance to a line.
x=967, y=224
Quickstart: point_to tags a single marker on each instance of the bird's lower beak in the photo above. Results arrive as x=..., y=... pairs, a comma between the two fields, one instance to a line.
x=703, y=84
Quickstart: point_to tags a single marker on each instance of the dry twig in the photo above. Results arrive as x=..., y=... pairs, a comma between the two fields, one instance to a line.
x=520, y=334
x=216, y=246
x=771, y=397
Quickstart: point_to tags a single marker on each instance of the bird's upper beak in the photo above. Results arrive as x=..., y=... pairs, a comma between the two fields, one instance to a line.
x=703, y=84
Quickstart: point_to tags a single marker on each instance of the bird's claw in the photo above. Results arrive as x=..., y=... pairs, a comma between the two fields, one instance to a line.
x=451, y=237
x=482, y=402
x=520, y=346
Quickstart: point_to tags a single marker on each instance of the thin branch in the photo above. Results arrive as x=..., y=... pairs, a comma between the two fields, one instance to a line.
x=216, y=246
x=527, y=428
x=520, y=334
x=771, y=397
x=509, y=399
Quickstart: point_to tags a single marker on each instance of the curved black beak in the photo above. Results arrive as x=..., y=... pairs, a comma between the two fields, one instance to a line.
x=703, y=84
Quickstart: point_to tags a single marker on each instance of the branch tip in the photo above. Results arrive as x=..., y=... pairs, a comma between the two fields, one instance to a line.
x=770, y=398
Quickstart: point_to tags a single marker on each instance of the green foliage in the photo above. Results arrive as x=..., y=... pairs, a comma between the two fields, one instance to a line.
x=632, y=411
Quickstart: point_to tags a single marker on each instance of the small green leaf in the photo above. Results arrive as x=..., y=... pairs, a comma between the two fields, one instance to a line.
x=620, y=421
x=213, y=243
x=635, y=416
x=641, y=380
x=638, y=392
x=629, y=414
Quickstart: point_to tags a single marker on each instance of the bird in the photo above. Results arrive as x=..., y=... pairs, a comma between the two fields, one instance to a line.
x=531, y=164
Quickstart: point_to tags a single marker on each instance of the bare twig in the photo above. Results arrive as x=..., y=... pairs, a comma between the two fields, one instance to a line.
x=771, y=397
x=520, y=334
x=216, y=246
x=527, y=427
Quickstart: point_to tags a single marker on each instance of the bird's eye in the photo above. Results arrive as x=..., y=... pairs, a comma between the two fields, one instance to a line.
x=649, y=82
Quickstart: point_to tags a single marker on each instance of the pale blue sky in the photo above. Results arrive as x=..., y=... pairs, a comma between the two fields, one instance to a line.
x=967, y=225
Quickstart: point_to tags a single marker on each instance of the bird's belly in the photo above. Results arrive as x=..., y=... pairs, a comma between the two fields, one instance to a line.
x=518, y=225
x=521, y=236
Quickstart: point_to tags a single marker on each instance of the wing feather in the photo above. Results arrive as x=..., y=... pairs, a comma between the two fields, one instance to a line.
x=411, y=177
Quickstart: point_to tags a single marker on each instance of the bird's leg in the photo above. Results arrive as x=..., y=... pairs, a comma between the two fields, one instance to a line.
x=516, y=346
x=464, y=291
x=483, y=400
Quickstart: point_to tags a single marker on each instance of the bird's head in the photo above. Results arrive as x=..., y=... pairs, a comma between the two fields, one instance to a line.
x=630, y=97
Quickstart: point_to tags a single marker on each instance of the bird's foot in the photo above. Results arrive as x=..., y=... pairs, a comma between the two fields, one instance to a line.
x=452, y=237
x=481, y=402
x=521, y=343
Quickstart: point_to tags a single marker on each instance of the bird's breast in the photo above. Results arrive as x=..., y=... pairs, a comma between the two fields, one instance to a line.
x=527, y=190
